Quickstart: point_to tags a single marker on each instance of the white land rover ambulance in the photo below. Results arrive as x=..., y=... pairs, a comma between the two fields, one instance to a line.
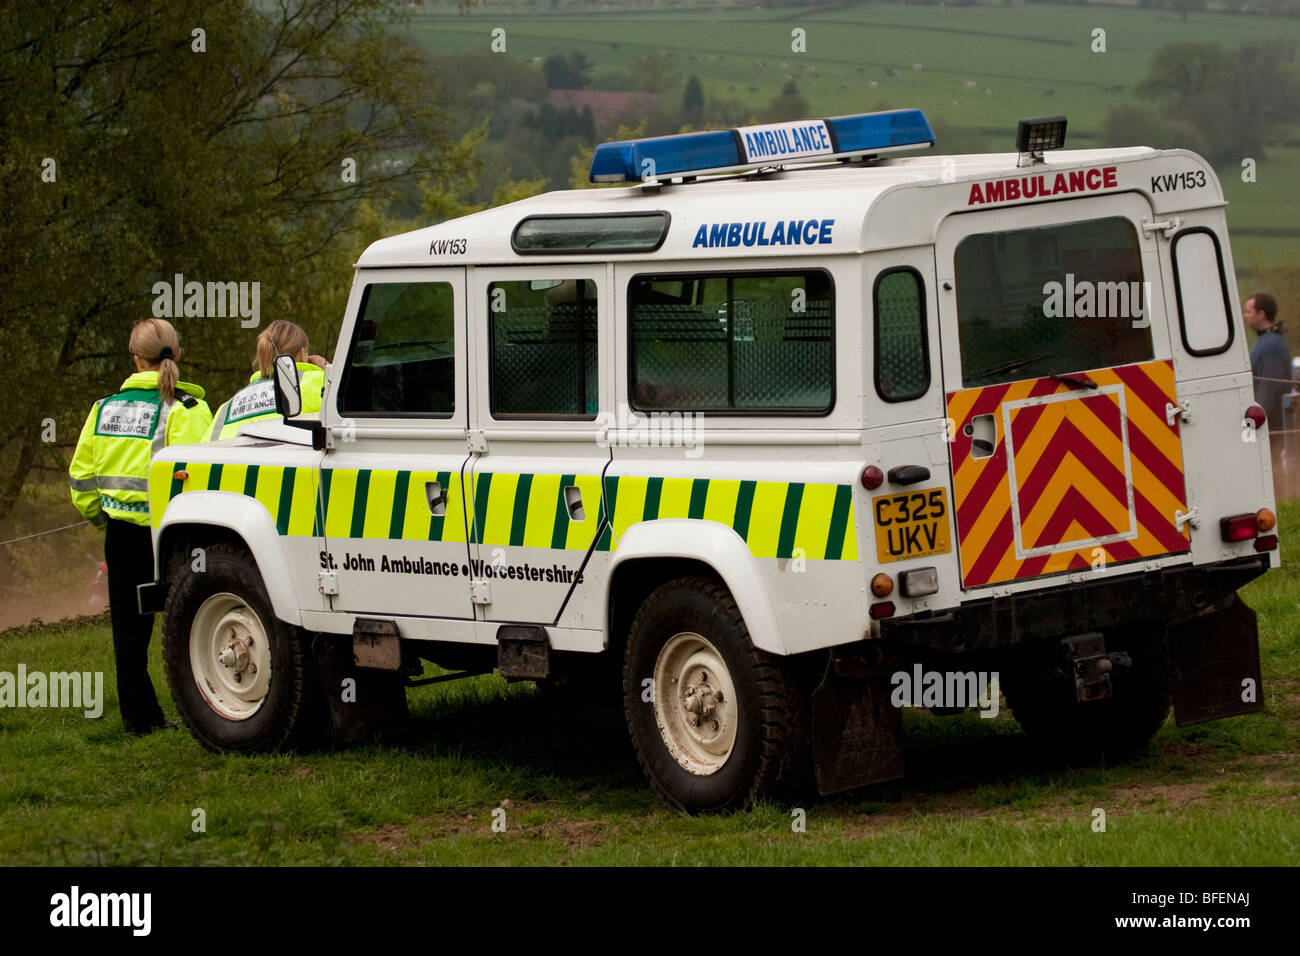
x=781, y=418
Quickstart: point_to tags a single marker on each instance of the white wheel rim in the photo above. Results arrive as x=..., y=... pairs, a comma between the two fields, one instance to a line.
x=230, y=656
x=695, y=703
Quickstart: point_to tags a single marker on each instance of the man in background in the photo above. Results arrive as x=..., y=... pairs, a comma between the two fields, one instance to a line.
x=1270, y=364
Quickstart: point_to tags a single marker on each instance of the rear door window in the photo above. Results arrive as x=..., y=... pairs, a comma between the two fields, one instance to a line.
x=543, y=348
x=1049, y=299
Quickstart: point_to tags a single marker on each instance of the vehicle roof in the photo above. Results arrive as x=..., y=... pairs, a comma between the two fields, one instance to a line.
x=846, y=191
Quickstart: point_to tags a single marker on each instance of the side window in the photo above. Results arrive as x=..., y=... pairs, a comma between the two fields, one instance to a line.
x=543, y=348
x=902, y=353
x=738, y=343
x=403, y=355
x=1204, y=314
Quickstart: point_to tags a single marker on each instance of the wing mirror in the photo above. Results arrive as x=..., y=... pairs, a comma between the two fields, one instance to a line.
x=288, y=399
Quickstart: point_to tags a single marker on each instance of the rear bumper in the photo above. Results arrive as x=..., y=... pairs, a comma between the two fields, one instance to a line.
x=1165, y=596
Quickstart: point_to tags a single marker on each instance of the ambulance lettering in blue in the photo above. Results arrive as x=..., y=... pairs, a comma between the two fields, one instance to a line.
x=791, y=232
x=783, y=142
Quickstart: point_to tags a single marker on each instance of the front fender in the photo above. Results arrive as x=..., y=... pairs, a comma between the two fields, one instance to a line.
x=721, y=549
x=247, y=518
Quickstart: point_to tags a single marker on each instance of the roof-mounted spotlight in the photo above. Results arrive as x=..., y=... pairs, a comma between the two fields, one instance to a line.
x=1037, y=135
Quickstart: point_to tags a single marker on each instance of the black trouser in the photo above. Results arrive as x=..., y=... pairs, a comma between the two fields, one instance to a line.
x=128, y=550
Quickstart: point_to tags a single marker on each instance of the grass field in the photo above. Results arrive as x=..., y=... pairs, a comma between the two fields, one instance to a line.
x=1031, y=60
x=77, y=791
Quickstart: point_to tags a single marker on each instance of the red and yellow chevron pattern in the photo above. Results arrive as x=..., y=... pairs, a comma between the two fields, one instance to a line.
x=1075, y=475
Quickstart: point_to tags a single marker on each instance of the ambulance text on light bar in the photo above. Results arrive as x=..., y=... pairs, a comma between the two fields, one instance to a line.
x=752, y=147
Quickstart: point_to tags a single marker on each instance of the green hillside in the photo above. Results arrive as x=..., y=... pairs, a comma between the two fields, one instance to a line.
x=974, y=70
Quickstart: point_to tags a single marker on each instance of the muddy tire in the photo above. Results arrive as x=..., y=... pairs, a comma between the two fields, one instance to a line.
x=242, y=679
x=1115, y=728
x=715, y=722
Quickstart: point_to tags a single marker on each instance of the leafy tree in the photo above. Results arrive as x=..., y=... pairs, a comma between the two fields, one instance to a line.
x=1134, y=125
x=693, y=100
x=220, y=156
x=654, y=73
x=567, y=71
x=788, y=105
x=1182, y=74
x=484, y=84
x=1237, y=101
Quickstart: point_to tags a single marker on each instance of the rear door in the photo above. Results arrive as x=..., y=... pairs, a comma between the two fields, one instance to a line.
x=534, y=496
x=1059, y=387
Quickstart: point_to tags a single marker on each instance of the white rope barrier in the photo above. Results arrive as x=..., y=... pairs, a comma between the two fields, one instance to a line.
x=39, y=533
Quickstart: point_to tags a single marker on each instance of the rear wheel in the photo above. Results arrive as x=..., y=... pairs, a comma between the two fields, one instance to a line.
x=242, y=679
x=1114, y=728
x=714, y=721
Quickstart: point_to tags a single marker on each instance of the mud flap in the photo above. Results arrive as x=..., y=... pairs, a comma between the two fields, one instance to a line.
x=1215, y=661
x=373, y=705
x=857, y=734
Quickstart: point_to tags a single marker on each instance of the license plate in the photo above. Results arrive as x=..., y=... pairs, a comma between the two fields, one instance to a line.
x=912, y=525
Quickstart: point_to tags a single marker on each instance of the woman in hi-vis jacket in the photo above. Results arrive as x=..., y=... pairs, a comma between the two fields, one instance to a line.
x=109, y=479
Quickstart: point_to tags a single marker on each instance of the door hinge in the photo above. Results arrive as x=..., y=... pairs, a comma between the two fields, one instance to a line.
x=1183, y=410
x=1167, y=226
x=480, y=591
x=328, y=581
x=476, y=441
x=1188, y=517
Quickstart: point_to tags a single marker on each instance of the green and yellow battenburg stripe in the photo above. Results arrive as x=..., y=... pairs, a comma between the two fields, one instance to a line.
x=289, y=494
x=776, y=519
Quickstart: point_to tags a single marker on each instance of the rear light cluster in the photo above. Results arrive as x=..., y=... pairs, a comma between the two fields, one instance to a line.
x=882, y=609
x=917, y=582
x=1245, y=527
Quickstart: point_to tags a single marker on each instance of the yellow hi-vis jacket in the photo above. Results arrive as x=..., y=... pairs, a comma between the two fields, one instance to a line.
x=255, y=402
x=110, y=468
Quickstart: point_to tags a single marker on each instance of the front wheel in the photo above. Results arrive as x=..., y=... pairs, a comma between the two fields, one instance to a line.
x=714, y=721
x=242, y=679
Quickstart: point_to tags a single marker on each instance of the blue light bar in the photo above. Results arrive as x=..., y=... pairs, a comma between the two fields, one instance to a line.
x=754, y=147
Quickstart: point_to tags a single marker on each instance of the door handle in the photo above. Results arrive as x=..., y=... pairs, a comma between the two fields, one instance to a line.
x=437, y=500
x=983, y=435
x=573, y=501
x=908, y=474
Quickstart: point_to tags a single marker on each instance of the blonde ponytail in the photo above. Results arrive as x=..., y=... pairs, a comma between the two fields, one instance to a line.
x=281, y=337
x=156, y=342
x=168, y=376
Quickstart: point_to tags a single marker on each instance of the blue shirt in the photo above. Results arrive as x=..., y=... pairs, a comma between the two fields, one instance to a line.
x=1271, y=359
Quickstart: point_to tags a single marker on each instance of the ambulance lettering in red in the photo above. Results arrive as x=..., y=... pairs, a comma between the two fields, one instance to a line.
x=1043, y=186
